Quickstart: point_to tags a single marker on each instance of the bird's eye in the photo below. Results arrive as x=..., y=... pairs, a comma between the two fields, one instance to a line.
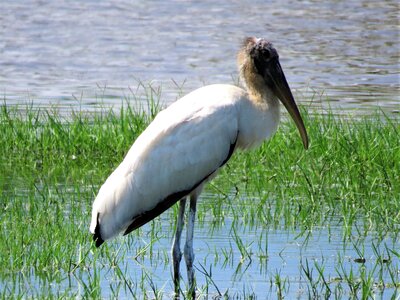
x=266, y=54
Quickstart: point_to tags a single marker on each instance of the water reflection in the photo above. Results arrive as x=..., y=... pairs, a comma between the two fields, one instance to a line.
x=270, y=255
x=232, y=256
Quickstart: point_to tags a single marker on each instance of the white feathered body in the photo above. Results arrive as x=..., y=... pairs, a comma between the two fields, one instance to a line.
x=180, y=150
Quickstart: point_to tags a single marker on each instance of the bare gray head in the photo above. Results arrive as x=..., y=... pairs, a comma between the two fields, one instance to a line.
x=262, y=73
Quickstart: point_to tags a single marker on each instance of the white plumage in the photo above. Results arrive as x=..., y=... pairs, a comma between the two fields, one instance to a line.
x=188, y=142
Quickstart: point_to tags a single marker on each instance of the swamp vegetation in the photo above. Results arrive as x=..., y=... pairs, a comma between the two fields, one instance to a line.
x=345, y=190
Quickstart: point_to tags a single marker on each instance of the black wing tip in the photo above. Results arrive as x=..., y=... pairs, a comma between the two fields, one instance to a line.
x=97, y=236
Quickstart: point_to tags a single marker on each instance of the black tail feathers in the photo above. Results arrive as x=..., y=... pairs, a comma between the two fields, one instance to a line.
x=97, y=236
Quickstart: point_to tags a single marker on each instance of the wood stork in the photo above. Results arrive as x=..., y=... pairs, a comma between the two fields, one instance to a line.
x=186, y=145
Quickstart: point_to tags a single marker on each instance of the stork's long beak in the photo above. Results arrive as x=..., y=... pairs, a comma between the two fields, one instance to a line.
x=275, y=78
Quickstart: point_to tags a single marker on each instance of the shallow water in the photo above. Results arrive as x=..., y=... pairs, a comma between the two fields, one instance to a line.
x=232, y=257
x=86, y=52
x=222, y=269
x=272, y=254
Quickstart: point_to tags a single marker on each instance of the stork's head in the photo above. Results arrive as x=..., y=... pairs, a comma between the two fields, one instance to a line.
x=261, y=71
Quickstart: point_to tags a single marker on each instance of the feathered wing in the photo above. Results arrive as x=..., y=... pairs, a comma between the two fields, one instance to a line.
x=171, y=199
x=181, y=148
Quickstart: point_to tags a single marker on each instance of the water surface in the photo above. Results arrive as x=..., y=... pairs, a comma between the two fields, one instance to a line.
x=86, y=52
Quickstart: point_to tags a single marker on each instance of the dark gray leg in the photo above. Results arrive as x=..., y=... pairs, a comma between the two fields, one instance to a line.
x=176, y=250
x=188, y=251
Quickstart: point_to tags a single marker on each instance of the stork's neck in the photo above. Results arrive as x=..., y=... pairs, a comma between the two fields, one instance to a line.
x=257, y=89
x=259, y=116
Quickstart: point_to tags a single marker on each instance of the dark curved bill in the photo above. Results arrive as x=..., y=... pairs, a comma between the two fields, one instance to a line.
x=277, y=82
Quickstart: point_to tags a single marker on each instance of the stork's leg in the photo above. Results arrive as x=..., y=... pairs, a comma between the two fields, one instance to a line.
x=176, y=250
x=188, y=252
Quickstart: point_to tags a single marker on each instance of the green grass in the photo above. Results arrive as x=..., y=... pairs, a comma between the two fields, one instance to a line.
x=51, y=167
x=350, y=172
